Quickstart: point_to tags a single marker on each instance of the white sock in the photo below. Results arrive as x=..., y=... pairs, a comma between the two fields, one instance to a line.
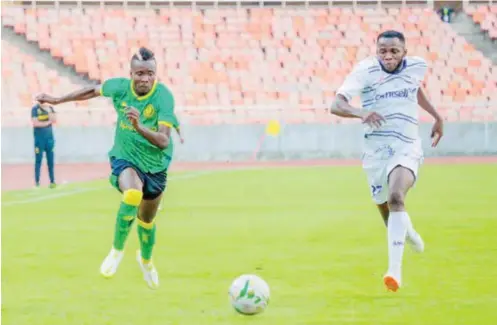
x=398, y=222
x=410, y=227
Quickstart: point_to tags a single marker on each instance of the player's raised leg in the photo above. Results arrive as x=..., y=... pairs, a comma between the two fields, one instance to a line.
x=400, y=180
x=146, y=234
x=131, y=186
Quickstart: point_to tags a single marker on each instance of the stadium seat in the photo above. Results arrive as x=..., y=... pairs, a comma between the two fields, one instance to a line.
x=486, y=17
x=22, y=78
x=252, y=60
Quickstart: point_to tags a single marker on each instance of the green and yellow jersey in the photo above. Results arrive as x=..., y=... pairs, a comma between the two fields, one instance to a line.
x=156, y=108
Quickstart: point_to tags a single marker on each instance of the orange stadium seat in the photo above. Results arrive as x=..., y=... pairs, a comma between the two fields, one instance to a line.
x=240, y=64
x=486, y=17
x=22, y=78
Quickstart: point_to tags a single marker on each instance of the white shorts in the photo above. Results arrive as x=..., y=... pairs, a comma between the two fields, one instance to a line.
x=378, y=170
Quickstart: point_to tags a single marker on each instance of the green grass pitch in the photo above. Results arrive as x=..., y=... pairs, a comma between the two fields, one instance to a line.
x=312, y=233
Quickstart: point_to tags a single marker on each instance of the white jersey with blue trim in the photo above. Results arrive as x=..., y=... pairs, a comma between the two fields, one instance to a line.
x=392, y=95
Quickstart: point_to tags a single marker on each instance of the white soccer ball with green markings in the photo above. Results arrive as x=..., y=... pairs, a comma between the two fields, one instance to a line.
x=249, y=294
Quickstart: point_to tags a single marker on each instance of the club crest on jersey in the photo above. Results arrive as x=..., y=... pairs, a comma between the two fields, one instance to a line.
x=149, y=111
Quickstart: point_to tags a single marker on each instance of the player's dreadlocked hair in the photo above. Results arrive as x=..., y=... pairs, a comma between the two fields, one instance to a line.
x=143, y=54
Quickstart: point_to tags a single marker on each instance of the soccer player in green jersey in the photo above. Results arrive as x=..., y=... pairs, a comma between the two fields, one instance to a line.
x=140, y=156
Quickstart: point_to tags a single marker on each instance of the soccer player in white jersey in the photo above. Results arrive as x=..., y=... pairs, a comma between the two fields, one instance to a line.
x=389, y=87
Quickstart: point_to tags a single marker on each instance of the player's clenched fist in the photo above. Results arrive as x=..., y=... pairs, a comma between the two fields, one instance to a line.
x=133, y=116
x=373, y=119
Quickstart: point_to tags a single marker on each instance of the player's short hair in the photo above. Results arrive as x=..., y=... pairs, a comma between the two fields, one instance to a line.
x=143, y=54
x=392, y=34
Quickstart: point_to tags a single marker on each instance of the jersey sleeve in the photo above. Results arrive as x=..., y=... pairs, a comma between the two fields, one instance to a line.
x=34, y=111
x=354, y=83
x=166, y=112
x=113, y=87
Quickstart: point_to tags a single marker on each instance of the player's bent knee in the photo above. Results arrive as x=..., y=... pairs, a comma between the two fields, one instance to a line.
x=396, y=199
x=132, y=197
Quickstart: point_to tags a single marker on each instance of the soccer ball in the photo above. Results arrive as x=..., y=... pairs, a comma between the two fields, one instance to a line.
x=249, y=294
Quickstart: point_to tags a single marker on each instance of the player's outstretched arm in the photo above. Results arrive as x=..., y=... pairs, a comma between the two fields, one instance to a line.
x=85, y=93
x=342, y=108
x=437, y=130
x=158, y=138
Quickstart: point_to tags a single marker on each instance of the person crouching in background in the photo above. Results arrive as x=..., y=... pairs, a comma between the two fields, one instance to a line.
x=43, y=117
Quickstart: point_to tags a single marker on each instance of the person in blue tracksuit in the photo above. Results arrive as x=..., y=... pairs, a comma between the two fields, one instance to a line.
x=42, y=117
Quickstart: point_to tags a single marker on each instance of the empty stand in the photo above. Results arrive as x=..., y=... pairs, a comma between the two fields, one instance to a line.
x=486, y=17
x=23, y=77
x=252, y=64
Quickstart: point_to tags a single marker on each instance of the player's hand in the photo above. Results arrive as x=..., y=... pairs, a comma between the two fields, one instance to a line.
x=437, y=132
x=44, y=98
x=181, y=140
x=133, y=116
x=373, y=119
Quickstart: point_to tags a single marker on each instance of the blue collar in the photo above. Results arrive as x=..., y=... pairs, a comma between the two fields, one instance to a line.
x=399, y=68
